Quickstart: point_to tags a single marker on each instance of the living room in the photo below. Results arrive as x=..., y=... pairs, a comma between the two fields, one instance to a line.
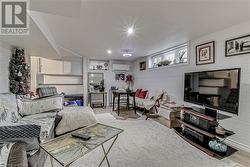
x=123, y=71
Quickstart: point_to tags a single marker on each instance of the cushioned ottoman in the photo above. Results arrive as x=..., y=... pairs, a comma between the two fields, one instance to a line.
x=74, y=118
x=170, y=116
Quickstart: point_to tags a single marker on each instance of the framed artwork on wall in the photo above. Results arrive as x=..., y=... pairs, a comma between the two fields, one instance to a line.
x=205, y=53
x=142, y=65
x=119, y=77
x=237, y=46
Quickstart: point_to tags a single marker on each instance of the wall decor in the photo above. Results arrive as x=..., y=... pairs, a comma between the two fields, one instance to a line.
x=237, y=46
x=119, y=77
x=205, y=53
x=142, y=65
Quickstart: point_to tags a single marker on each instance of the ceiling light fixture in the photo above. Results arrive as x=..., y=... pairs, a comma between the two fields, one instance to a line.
x=126, y=52
x=109, y=51
x=130, y=31
x=127, y=55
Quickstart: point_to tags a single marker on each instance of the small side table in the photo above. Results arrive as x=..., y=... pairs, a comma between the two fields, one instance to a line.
x=117, y=94
x=102, y=100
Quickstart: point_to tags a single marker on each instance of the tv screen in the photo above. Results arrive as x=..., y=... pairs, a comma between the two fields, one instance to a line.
x=218, y=89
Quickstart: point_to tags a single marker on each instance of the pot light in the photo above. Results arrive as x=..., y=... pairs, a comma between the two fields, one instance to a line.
x=109, y=51
x=130, y=31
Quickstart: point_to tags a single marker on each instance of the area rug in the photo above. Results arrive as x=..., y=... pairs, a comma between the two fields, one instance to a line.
x=147, y=143
x=125, y=114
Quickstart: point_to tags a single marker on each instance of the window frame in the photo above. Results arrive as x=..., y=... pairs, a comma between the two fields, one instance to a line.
x=161, y=54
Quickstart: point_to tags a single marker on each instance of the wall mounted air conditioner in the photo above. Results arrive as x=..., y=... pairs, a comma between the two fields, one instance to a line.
x=120, y=67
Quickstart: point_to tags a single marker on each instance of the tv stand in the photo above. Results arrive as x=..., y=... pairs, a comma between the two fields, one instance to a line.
x=203, y=132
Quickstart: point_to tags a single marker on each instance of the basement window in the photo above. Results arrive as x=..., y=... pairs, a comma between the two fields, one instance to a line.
x=171, y=56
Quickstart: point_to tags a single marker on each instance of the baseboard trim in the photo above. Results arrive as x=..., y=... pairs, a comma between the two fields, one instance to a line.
x=238, y=145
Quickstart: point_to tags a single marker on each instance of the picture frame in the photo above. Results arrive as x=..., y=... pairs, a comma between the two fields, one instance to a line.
x=205, y=53
x=142, y=65
x=119, y=77
x=237, y=46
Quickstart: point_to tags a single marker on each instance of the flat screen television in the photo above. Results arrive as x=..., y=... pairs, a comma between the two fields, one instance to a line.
x=217, y=89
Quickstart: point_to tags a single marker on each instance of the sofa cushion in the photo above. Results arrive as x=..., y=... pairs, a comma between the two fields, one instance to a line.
x=143, y=94
x=137, y=93
x=30, y=144
x=45, y=120
x=18, y=156
x=5, y=149
x=74, y=118
x=8, y=109
x=46, y=91
x=30, y=107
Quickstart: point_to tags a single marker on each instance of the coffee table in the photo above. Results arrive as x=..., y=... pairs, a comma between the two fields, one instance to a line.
x=67, y=149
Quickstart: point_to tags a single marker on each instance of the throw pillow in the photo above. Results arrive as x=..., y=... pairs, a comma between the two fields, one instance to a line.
x=74, y=118
x=8, y=109
x=19, y=131
x=30, y=107
x=27, y=134
x=137, y=93
x=143, y=94
x=46, y=91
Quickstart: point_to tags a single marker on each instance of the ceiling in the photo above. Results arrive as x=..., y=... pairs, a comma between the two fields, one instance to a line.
x=75, y=28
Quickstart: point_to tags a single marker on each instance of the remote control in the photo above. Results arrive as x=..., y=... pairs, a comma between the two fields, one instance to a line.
x=81, y=136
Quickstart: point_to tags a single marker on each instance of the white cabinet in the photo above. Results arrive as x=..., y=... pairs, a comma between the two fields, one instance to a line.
x=57, y=67
x=47, y=66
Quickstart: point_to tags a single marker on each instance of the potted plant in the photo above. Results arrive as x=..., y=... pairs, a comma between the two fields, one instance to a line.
x=102, y=88
x=129, y=81
x=166, y=62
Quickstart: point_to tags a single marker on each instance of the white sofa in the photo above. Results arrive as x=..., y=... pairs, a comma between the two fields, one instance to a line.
x=9, y=116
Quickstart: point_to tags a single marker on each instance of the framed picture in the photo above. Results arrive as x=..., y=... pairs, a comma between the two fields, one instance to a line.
x=142, y=65
x=119, y=77
x=205, y=53
x=237, y=46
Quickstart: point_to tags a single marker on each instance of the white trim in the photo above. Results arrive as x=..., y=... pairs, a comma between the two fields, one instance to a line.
x=238, y=145
x=170, y=66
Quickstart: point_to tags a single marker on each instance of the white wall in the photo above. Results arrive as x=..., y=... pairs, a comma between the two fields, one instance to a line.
x=171, y=79
x=5, y=54
x=109, y=77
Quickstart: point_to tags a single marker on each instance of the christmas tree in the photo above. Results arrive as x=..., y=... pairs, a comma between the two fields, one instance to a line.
x=19, y=73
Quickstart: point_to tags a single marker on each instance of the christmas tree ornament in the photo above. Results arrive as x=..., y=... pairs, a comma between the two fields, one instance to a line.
x=19, y=74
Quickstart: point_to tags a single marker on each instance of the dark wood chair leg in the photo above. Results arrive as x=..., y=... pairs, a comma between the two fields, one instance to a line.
x=118, y=103
x=156, y=110
x=127, y=102
x=134, y=104
x=113, y=102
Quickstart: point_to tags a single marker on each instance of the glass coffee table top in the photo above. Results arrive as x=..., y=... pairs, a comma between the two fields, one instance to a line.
x=67, y=149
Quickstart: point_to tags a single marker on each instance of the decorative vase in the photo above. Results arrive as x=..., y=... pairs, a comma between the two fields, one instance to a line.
x=217, y=145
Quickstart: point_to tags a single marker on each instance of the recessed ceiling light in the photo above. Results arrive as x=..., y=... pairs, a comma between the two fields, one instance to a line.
x=127, y=55
x=109, y=51
x=130, y=31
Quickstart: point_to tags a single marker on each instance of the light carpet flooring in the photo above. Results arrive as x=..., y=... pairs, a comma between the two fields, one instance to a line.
x=147, y=143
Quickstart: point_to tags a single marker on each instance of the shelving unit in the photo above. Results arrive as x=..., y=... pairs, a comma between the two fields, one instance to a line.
x=206, y=135
x=205, y=148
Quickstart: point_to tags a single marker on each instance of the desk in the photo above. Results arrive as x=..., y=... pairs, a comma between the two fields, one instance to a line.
x=118, y=95
x=98, y=101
